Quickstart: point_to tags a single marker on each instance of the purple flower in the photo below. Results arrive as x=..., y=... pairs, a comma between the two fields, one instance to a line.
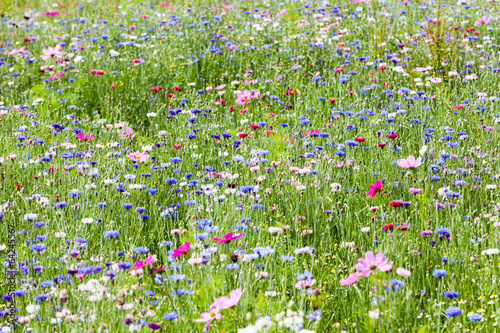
x=154, y=326
x=415, y=190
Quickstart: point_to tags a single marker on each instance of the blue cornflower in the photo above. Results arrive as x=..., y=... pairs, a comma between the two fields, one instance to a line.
x=170, y=316
x=441, y=231
x=475, y=317
x=111, y=233
x=451, y=294
x=439, y=273
x=141, y=250
x=453, y=311
x=38, y=247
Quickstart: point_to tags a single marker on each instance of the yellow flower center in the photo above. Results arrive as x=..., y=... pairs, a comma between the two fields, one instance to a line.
x=212, y=314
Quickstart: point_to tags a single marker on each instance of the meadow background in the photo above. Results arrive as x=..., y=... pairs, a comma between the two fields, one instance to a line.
x=343, y=154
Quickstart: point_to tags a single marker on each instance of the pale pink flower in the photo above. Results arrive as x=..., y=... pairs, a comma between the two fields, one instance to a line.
x=351, y=279
x=195, y=261
x=225, y=302
x=243, y=97
x=209, y=316
x=138, y=156
x=482, y=20
x=403, y=272
x=410, y=162
x=52, y=52
x=305, y=283
x=370, y=263
x=21, y=50
x=128, y=134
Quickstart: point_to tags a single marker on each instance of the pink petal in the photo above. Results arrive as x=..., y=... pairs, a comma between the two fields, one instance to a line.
x=351, y=279
x=379, y=258
x=205, y=316
x=138, y=265
x=300, y=285
x=370, y=258
x=386, y=268
x=149, y=260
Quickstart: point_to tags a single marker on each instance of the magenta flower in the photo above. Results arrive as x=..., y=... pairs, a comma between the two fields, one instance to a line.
x=225, y=302
x=52, y=52
x=410, y=162
x=374, y=188
x=370, y=264
x=213, y=313
x=138, y=156
x=140, y=264
x=84, y=137
x=181, y=249
x=243, y=97
x=227, y=238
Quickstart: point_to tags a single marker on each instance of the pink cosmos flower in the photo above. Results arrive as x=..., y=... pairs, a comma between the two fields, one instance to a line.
x=482, y=20
x=403, y=272
x=181, y=249
x=51, y=52
x=410, y=162
x=243, y=97
x=127, y=134
x=84, y=137
x=227, y=238
x=351, y=279
x=305, y=283
x=225, y=302
x=21, y=51
x=140, y=264
x=138, y=156
x=209, y=316
x=370, y=263
x=374, y=188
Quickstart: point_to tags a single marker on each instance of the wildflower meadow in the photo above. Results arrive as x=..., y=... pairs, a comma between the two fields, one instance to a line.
x=249, y=166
